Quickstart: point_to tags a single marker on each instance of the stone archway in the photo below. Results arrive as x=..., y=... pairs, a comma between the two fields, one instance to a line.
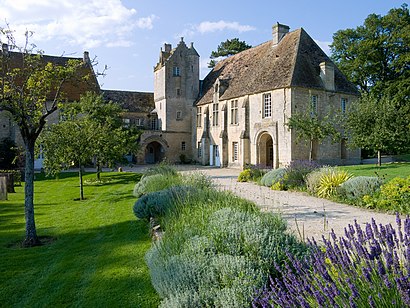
x=265, y=150
x=154, y=153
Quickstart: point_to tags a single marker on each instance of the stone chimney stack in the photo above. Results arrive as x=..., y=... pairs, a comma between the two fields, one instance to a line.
x=327, y=74
x=86, y=58
x=278, y=32
x=167, y=47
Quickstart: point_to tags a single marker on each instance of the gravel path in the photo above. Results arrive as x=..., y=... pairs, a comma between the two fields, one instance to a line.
x=307, y=216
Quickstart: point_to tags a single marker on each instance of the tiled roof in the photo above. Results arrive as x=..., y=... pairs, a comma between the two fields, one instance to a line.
x=294, y=62
x=131, y=101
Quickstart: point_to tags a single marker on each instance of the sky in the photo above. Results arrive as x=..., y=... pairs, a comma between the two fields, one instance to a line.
x=126, y=36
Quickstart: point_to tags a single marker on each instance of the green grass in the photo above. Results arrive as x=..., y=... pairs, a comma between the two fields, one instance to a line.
x=97, y=258
x=388, y=171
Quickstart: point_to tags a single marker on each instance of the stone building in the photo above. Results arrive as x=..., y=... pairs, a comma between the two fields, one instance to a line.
x=246, y=99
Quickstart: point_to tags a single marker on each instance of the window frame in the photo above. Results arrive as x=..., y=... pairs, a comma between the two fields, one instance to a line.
x=199, y=117
x=267, y=105
x=343, y=104
x=176, y=72
x=183, y=146
x=215, y=114
x=235, y=151
x=314, y=102
x=234, y=112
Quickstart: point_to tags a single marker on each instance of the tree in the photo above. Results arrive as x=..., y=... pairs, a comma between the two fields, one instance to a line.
x=310, y=127
x=376, y=58
x=91, y=128
x=226, y=49
x=31, y=90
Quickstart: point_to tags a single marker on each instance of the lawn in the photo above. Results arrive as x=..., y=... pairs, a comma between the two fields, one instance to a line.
x=388, y=171
x=97, y=256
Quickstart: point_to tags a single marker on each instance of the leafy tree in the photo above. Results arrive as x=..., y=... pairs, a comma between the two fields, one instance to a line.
x=92, y=129
x=309, y=127
x=31, y=90
x=376, y=58
x=226, y=49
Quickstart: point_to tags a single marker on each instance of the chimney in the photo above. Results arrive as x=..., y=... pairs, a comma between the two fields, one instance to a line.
x=327, y=74
x=278, y=32
x=167, y=47
x=86, y=58
x=192, y=45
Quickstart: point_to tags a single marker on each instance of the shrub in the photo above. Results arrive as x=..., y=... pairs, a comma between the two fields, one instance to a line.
x=363, y=269
x=155, y=182
x=217, y=248
x=156, y=204
x=162, y=168
x=198, y=180
x=296, y=172
x=273, y=176
x=329, y=182
x=393, y=196
x=312, y=180
x=245, y=176
x=354, y=189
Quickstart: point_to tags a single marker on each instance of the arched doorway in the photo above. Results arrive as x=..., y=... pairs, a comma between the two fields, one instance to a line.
x=265, y=150
x=154, y=153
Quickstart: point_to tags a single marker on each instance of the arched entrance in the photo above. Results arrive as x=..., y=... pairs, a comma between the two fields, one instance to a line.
x=154, y=153
x=265, y=150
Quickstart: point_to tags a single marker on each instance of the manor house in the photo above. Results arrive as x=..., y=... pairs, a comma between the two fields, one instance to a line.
x=237, y=115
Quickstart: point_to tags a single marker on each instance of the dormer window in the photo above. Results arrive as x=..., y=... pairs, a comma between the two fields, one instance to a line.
x=175, y=71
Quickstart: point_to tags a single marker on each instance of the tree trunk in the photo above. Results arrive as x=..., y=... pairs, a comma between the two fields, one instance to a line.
x=311, y=150
x=31, y=238
x=80, y=173
x=379, y=158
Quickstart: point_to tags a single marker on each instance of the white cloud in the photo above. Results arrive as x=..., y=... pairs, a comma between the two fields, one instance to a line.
x=86, y=23
x=325, y=46
x=211, y=26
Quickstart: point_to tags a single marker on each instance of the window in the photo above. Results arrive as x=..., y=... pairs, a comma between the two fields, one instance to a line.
x=199, y=149
x=154, y=124
x=126, y=122
x=178, y=92
x=234, y=112
x=199, y=117
x=235, y=151
x=343, y=103
x=313, y=105
x=183, y=145
x=175, y=71
x=139, y=121
x=179, y=115
x=267, y=105
x=215, y=114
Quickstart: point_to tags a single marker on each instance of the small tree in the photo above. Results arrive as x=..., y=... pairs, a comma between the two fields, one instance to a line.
x=226, y=49
x=310, y=127
x=31, y=90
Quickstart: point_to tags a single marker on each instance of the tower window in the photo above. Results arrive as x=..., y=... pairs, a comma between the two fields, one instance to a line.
x=183, y=145
x=176, y=71
x=267, y=105
x=199, y=117
x=343, y=103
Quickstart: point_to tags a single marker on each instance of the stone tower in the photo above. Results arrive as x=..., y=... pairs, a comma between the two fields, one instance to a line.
x=176, y=87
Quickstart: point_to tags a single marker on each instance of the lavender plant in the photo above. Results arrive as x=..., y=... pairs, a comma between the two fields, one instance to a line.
x=365, y=268
x=296, y=172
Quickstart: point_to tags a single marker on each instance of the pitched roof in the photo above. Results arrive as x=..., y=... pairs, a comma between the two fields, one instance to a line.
x=131, y=101
x=75, y=86
x=294, y=62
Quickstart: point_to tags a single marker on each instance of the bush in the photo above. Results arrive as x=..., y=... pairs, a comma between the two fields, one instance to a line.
x=245, y=175
x=312, y=180
x=330, y=181
x=296, y=172
x=162, y=168
x=198, y=180
x=251, y=173
x=273, y=176
x=217, y=248
x=355, y=188
x=155, y=182
x=393, y=196
x=363, y=269
x=156, y=204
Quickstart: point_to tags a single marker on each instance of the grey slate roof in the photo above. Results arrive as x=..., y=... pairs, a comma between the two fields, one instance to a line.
x=131, y=101
x=294, y=62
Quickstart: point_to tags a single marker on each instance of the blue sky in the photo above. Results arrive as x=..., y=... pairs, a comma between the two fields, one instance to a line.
x=127, y=35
